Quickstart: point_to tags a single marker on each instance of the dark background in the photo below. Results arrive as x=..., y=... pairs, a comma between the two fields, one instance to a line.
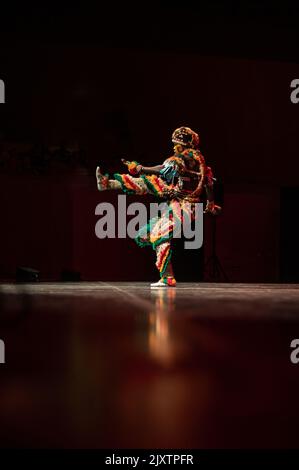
x=86, y=85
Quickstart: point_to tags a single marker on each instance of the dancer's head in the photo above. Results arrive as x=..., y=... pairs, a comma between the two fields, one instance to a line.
x=184, y=138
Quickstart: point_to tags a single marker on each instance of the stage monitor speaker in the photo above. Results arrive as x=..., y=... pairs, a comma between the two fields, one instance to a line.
x=289, y=235
x=188, y=264
x=26, y=274
x=70, y=276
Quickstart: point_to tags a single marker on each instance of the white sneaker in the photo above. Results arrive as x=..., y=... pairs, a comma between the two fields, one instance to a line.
x=102, y=180
x=165, y=282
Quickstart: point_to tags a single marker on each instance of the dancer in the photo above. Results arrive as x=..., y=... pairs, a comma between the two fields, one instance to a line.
x=179, y=181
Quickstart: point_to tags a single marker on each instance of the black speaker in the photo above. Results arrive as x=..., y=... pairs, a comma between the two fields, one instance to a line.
x=70, y=276
x=27, y=274
x=188, y=264
x=289, y=235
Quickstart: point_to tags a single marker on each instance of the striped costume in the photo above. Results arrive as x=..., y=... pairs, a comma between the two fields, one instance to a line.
x=178, y=182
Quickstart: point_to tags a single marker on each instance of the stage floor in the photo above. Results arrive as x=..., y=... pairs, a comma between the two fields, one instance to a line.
x=119, y=365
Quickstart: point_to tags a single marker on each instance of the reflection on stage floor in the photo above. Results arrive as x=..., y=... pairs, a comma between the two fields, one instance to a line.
x=120, y=365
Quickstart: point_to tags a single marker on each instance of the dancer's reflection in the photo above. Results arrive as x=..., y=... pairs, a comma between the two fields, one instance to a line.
x=161, y=344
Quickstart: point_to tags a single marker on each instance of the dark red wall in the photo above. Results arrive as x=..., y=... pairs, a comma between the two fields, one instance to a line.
x=118, y=103
x=50, y=225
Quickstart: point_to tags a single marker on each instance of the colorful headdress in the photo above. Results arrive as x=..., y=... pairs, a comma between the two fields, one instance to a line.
x=185, y=136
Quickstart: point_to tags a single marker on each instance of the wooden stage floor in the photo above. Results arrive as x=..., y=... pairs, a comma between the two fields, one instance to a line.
x=119, y=365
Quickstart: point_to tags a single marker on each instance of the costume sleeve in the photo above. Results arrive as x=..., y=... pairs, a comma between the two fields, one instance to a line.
x=209, y=182
x=209, y=178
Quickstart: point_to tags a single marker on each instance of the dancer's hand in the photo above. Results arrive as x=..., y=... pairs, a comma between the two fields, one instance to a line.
x=212, y=208
x=133, y=167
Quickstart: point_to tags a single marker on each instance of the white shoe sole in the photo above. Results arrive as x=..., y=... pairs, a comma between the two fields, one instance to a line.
x=160, y=284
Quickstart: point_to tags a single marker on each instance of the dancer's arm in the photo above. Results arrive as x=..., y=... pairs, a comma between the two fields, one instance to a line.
x=137, y=169
x=209, y=192
x=150, y=170
x=211, y=207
